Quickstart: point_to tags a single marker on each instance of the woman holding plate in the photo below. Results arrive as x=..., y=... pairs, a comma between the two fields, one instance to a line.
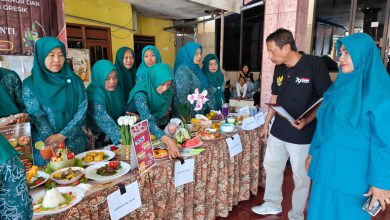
x=55, y=99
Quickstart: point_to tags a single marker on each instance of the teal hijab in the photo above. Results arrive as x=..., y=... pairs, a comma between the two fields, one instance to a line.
x=62, y=91
x=158, y=103
x=216, y=79
x=354, y=94
x=113, y=101
x=143, y=68
x=6, y=150
x=185, y=57
x=126, y=77
x=7, y=105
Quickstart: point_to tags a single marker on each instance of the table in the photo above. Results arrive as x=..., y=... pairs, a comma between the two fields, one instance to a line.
x=241, y=103
x=220, y=183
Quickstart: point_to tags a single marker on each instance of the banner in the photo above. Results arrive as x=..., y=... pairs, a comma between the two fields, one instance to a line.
x=22, y=22
x=143, y=146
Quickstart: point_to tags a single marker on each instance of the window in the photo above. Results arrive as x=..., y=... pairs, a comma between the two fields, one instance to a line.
x=96, y=39
x=253, y=21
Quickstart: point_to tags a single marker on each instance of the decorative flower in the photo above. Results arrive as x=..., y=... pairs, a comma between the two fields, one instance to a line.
x=199, y=105
x=124, y=123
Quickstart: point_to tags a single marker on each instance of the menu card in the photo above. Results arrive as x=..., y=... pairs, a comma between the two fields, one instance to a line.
x=244, y=111
x=249, y=124
x=234, y=145
x=19, y=136
x=142, y=146
x=184, y=173
x=120, y=204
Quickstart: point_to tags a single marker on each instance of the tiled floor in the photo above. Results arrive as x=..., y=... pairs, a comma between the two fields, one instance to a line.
x=243, y=210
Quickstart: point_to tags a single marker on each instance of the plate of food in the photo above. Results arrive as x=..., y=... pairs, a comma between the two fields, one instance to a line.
x=113, y=148
x=56, y=200
x=210, y=134
x=67, y=175
x=160, y=154
x=36, y=177
x=95, y=156
x=192, y=143
x=107, y=171
x=158, y=145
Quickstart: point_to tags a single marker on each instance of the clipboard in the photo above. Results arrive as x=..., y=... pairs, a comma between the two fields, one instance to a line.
x=283, y=112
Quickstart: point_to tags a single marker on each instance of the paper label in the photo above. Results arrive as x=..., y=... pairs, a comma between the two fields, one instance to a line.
x=121, y=205
x=234, y=145
x=184, y=173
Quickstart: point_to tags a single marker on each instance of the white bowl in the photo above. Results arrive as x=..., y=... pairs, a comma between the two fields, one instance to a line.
x=65, y=181
x=227, y=128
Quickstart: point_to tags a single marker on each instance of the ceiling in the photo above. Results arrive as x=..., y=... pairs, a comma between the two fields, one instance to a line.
x=182, y=9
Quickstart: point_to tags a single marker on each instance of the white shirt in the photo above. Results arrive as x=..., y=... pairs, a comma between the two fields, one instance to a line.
x=241, y=90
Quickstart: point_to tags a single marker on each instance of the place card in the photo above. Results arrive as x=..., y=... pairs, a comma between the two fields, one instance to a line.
x=244, y=111
x=249, y=124
x=234, y=145
x=260, y=118
x=184, y=173
x=120, y=204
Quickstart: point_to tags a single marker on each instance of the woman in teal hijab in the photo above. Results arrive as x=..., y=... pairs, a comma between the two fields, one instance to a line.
x=212, y=71
x=55, y=99
x=105, y=102
x=10, y=93
x=15, y=201
x=188, y=77
x=126, y=70
x=151, y=99
x=150, y=56
x=350, y=152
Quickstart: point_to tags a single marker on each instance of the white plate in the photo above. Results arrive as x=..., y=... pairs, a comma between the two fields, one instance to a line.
x=76, y=191
x=234, y=131
x=40, y=174
x=108, y=147
x=109, y=153
x=90, y=172
x=65, y=181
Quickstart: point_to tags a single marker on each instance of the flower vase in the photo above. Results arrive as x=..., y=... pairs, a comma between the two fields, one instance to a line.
x=126, y=152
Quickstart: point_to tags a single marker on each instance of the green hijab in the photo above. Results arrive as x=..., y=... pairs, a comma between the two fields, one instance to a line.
x=214, y=79
x=113, y=101
x=62, y=91
x=7, y=105
x=126, y=77
x=158, y=103
x=6, y=150
x=143, y=68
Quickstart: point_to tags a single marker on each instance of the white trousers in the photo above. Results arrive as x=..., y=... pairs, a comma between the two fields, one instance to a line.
x=276, y=156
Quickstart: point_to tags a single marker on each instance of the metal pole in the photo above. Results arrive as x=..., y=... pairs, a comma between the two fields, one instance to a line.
x=352, y=16
x=221, y=39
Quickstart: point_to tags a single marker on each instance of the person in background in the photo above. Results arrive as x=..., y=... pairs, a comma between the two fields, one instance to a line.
x=246, y=73
x=188, y=76
x=256, y=98
x=150, y=56
x=241, y=88
x=10, y=93
x=151, y=98
x=15, y=200
x=105, y=103
x=55, y=99
x=299, y=81
x=126, y=70
x=215, y=79
x=227, y=93
x=350, y=152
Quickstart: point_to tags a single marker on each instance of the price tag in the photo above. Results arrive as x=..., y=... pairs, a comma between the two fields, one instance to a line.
x=234, y=145
x=184, y=173
x=249, y=124
x=120, y=205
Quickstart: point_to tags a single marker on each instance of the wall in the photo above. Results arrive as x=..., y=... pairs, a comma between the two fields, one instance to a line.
x=206, y=36
x=165, y=41
x=108, y=11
